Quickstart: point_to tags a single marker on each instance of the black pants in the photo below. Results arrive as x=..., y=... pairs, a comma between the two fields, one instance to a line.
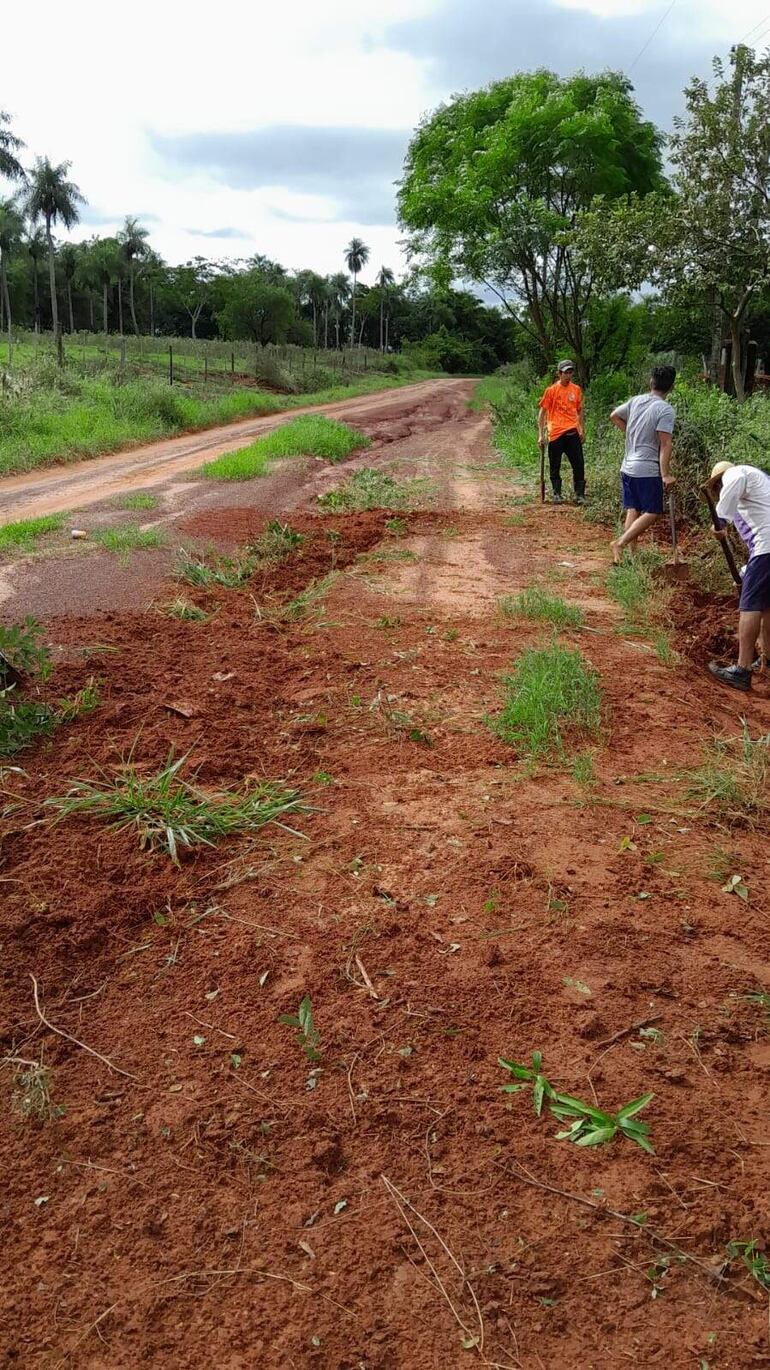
x=571, y=446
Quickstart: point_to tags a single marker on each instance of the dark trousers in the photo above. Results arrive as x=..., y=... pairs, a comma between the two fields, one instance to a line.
x=571, y=446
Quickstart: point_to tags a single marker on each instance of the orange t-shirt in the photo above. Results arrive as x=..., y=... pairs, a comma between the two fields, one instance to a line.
x=562, y=404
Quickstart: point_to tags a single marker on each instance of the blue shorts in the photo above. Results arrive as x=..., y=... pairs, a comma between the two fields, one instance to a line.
x=755, y=592
x=644, y=493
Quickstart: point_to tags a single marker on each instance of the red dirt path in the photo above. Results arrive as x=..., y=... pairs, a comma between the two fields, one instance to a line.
x=443, y=906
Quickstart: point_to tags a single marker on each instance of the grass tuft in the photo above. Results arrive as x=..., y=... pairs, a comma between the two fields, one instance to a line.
x=537, y=604
x=140, y=499
x=22, y=536
x=552, y=692
x=311, y=435
x=200, y=571
x=371, y=489
x=734, y=780
x=128, y=537
x=278, y=542
x=23, y=721
x=169, y=813
x=185, y=610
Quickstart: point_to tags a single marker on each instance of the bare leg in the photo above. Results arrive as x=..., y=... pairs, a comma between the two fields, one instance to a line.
x=748, y=627
x=636, y=526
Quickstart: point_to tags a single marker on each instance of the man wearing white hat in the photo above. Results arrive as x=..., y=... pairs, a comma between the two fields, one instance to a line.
x=743, y=495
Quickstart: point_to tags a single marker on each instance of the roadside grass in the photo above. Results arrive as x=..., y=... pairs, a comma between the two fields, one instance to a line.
x=129, y=537
x=22, y=536
x=538, y=605
x=733, y=781
x=311, y=435
x=553, y=693
x=637, y=587
x=140, y=499
x=372, y=489
x=168, y=813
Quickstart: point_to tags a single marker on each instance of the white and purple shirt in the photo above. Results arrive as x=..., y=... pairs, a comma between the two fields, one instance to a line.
x=745, y=502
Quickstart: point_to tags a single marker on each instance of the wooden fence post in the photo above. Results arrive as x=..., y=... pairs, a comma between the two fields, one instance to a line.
x=170, y=364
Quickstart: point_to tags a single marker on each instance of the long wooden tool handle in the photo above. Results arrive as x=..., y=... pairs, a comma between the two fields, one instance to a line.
x=726, y=548
x=542, y=473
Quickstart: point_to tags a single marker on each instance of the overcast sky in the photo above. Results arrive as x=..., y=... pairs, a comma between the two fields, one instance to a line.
x=279, y=126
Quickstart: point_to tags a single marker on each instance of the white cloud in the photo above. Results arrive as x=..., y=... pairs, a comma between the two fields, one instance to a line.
x=102, y=82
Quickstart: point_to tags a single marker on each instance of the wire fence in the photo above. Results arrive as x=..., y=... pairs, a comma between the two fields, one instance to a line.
x=189, y=361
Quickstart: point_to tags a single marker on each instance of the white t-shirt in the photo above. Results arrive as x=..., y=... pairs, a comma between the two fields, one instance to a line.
x=645, y=416
x=745, y=502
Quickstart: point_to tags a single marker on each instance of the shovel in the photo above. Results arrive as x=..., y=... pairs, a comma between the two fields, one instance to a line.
x=676, y=569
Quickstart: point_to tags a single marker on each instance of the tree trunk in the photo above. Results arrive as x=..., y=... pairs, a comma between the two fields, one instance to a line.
x=382, y=312
x=315, y=324
x=131, y=300
x=91, y=311
x=52, y=279
x=737, y=358
x=104, y=311
x=387, y=333
x=353, y=315
x=152, y=312
x=36, y=287
x=326, y=327
x=7, y=299
x=361, y=331
x=69, y=305
x=120, y=307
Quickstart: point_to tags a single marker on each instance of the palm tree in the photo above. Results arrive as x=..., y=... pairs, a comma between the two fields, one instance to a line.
x=51, y=197
x=105, y=265
x=68, y=261
x=356, y=255
x=153, y=272
x=36, y=248
x=339, y=291
x=11, y=230
x=10, y=166
x=133, y=241
x=385, y=279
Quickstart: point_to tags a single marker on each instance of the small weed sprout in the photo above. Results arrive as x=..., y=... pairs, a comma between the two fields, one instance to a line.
x=583, y=769
x=588, y=1126
x=396, y=720
x=32, y=1094
x=755, y=1261
x=308, y=1037
x=538, y=605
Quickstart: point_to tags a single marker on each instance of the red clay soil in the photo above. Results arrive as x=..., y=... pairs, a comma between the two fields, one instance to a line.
x=210, y=1197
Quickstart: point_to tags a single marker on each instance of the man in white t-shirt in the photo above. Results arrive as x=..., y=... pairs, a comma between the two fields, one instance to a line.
x=648, y=423
x=743, y=499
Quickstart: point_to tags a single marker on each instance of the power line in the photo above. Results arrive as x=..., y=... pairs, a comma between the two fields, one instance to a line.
x=758, y=36
x=653, y=35
x=754, y=29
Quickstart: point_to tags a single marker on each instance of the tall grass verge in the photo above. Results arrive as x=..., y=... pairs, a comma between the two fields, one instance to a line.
x=311, y=435
x=553, y=693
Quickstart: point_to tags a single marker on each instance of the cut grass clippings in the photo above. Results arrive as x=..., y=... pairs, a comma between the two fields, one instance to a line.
x=22, y=536
x=733, y=782
x=371, y=489
x=311, y=435
x=538, y=605
x=552, y=693
x=168, y=813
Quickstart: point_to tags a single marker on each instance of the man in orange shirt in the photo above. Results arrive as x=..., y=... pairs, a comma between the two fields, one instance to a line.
x=561, y=414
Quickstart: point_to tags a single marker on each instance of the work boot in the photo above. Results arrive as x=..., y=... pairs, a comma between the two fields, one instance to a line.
x=558, y=498
x=736, y=676
x=580, y=493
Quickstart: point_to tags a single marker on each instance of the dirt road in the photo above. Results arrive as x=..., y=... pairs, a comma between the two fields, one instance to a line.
x=80, y=484
x=212, y=1194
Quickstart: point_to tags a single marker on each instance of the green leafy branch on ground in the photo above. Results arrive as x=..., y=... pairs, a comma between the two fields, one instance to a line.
x=588, y=1126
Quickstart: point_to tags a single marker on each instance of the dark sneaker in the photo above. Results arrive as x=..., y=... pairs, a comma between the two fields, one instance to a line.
x=736, y=676
x=558, y=499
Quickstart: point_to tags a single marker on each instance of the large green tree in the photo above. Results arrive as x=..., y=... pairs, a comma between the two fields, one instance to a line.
x=50, y=196
x=495, y=181
x=257, y=309
x=356, y=255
